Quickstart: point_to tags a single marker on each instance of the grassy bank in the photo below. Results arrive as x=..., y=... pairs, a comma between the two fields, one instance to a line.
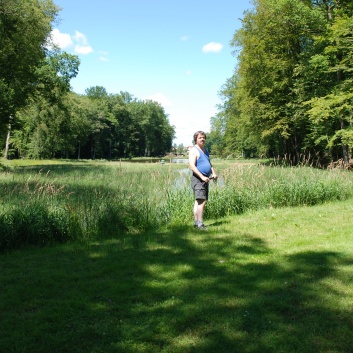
x=273, y=280
x=57, y=202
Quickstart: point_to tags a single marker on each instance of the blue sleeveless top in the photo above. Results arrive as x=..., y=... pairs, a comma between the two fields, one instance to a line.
x=203, y=163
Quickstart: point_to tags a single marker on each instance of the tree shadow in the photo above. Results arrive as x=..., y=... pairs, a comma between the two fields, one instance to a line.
x=59, y=169
x=181, y=292
x=218, y=223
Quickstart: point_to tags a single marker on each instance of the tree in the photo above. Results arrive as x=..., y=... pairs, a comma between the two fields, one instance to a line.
x=96, y=125
x=291, y=91
x=180, y=149
x=333, y=109
x=96, y=92
x=47, y=116
x=275, y=39
x=25, y=27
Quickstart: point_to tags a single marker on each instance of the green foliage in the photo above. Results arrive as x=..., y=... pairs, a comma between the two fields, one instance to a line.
x=96, y=125
x=97, y=92
x=291, y=91
x=25, y=26
x=54, y=76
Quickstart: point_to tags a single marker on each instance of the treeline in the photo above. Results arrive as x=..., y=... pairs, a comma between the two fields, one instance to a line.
x=40, y=116
x=291, y=94
x=90, y=126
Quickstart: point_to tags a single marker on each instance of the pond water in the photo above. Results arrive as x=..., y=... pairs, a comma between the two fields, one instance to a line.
x=185, y=177
x=157, y=160
x=180, y=160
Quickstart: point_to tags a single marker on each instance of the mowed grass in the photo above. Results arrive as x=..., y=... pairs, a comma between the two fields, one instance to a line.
x=272, y=280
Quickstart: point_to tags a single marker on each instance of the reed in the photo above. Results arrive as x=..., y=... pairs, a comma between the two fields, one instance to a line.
x=41, y=204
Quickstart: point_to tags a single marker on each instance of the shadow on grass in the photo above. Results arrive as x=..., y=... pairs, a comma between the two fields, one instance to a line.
x=59, y=169
x=218, y=223
x=178, y=291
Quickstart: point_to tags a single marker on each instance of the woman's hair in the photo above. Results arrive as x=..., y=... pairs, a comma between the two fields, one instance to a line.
x=197, y=133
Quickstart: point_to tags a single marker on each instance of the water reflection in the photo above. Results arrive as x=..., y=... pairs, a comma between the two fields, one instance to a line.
x=185, y=177
x=180, y=160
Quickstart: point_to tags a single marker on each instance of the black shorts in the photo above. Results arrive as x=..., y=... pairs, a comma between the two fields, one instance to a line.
x=200, y=188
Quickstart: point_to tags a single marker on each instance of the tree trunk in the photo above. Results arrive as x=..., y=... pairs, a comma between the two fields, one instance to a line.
x=329, y=9
x=7, y=144
x=345, y=154
x=344, y=147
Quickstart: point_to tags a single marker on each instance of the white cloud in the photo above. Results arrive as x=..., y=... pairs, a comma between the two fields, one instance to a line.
x=184, y=38
x=102, y=58
x=160, y=98
x=189, y=72
x=78, y=41
x=80, y=37
x=212, y=47
x=83, y=49
x=62, y=40
x=82, y=46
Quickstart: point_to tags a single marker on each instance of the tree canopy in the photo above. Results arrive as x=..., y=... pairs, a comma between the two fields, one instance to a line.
x=25, y=27
x=291, y=92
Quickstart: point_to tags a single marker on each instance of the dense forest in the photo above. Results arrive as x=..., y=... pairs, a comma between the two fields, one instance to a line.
x=40, y=115
x=291, y=93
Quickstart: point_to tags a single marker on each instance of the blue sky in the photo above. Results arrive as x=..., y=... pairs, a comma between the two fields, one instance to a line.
x=174, y=52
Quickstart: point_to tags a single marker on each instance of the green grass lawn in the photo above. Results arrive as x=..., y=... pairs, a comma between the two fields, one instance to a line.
x=274, y=280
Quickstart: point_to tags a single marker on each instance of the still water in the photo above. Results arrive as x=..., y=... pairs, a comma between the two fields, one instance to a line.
x=180, y=160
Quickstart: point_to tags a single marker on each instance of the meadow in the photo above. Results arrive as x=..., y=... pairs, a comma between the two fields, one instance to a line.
x=102, y=257
x=58, y=202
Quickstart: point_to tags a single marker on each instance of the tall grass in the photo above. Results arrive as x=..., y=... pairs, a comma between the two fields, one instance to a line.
x=62, y=202
x=254, y=187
